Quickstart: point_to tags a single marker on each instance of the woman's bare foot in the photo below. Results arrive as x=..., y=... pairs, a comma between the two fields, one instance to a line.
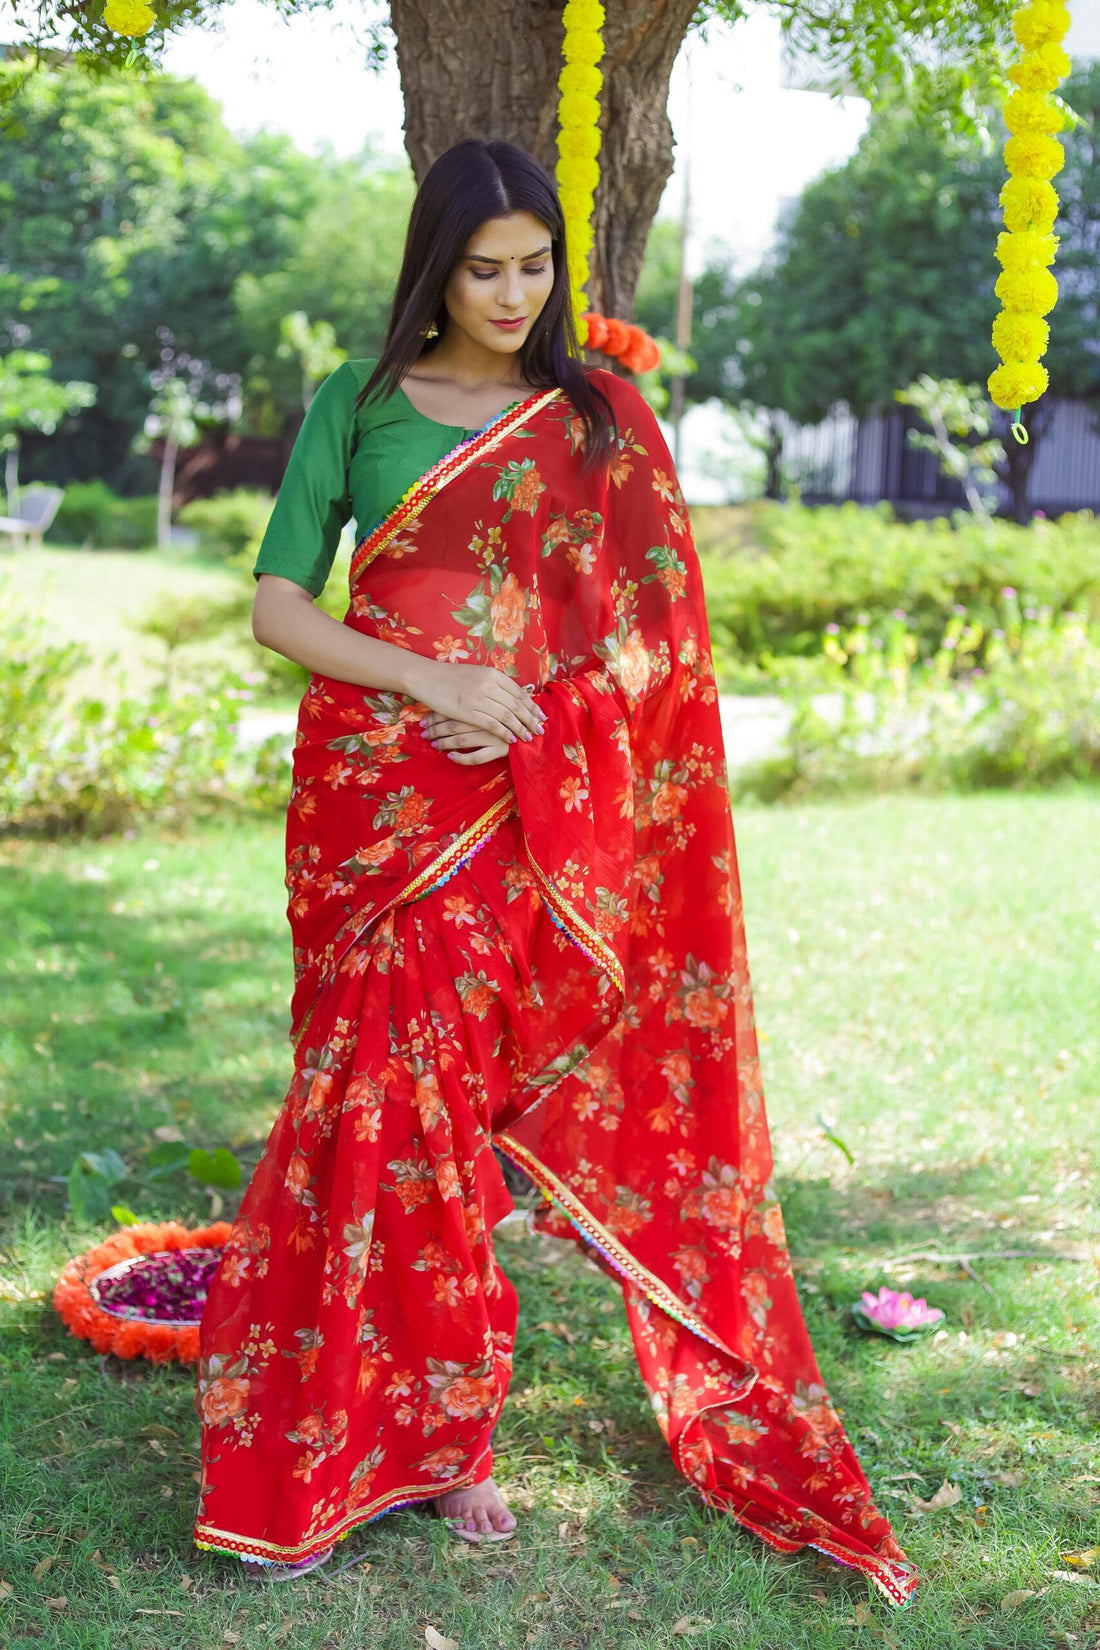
x=477, y=1512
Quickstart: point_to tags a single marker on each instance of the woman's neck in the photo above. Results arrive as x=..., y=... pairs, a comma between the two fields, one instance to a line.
x=468, y=365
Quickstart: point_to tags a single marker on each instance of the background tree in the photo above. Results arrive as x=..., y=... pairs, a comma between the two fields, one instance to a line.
x=955, y=413
x=341, y=269
x=454, y=87
x=126, y=206
x=313, y=345
x=174, y=418
x=884, y=270
x=31, y=400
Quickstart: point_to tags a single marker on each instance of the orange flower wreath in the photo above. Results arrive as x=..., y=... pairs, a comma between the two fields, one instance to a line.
x=77, y=1293
x=622, y=340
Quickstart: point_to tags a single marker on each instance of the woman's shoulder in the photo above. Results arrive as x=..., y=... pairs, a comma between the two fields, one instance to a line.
x=345, y=381
x=627, y=401
x=621, y=392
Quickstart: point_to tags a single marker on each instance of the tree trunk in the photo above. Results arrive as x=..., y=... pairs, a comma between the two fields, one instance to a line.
x=1015, y=472
x=164, y=494
x=491, y=71
x=11, y=478
x=773, y=457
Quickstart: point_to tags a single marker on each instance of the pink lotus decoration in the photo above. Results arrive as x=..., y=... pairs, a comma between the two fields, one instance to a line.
x=897, y=1315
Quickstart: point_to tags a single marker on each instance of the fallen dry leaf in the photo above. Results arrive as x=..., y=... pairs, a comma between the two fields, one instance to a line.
x=58, y=1603
x=1071, y=1575
x=6, y=1590
x=862, y=1612
x=1030, y=1391
x=1012, y=1601
x=948, y=1495
x=1011, y=1480
x=562, y=1330
x=1083, y=1560
x=230, y=1637
x=42, y=1566
x=690, y=1624
x=437, y=1641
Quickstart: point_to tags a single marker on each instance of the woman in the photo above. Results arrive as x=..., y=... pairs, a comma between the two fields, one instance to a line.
x=516, y=916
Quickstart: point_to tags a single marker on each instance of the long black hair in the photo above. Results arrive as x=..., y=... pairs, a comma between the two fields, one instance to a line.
x=469, y=183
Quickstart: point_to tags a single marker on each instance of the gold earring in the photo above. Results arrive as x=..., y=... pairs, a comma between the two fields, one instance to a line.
x=431, y=330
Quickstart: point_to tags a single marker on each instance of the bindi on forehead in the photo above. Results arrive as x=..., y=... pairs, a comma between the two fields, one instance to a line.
x=483, y=258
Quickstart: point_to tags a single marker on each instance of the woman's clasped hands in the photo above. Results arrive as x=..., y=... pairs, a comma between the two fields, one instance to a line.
x=477, y=712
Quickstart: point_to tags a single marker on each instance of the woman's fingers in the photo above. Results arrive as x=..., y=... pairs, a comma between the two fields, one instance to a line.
x=466, y=739
x=498, y=706
x=519, y=711
x=487, y=753
x=523, y=705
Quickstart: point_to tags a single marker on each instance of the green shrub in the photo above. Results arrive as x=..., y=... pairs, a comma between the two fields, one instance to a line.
x=229, y=522
x=80, y=765
x=34, y=671
x=805, y=568
x=1028, y=717
x=95, y=518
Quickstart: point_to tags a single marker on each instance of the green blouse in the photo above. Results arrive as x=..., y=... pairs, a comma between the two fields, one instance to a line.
x=346, y=465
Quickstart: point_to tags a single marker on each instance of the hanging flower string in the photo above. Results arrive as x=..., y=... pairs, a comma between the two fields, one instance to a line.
x=1025, y=250
x=578, y=173
x=578, y=169
x=623, y=341
x=131, y=18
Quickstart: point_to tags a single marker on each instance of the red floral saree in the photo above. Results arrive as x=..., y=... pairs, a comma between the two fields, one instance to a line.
x=547, y=953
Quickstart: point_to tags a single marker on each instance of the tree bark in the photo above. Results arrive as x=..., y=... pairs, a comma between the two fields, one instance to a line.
x=164, y=493
x=11, y=478
x=1019, y=457
x=773, y=458
x=491, y=71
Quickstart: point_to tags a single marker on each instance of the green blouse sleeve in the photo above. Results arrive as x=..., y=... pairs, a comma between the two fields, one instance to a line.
x=314, y=500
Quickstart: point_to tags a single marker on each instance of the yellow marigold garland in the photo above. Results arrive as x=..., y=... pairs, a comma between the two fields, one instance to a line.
x=1029, y=203
x=130, y=17
x=578, y=171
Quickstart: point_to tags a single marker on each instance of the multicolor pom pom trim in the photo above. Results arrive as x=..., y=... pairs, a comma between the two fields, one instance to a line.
x=90, y=1313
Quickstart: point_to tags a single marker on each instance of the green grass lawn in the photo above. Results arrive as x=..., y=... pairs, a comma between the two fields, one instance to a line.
x=89, y=596
x=927, y=977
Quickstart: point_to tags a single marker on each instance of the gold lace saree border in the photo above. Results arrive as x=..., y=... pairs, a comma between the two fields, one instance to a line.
x=426, y=881
x=616, y=1254
x=896, y=1578
x=434, y=480
x=211, y=1538
x=570, y=921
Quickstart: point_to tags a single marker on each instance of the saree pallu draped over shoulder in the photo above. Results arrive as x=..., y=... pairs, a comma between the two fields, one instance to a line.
x=545, y=953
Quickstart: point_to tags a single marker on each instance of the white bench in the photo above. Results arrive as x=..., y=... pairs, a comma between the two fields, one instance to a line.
x=38, y=507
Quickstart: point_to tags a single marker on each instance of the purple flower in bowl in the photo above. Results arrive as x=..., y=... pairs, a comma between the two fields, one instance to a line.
x=895, y=1314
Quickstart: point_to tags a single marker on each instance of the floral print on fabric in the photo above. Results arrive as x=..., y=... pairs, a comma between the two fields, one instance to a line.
x=546, y=952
